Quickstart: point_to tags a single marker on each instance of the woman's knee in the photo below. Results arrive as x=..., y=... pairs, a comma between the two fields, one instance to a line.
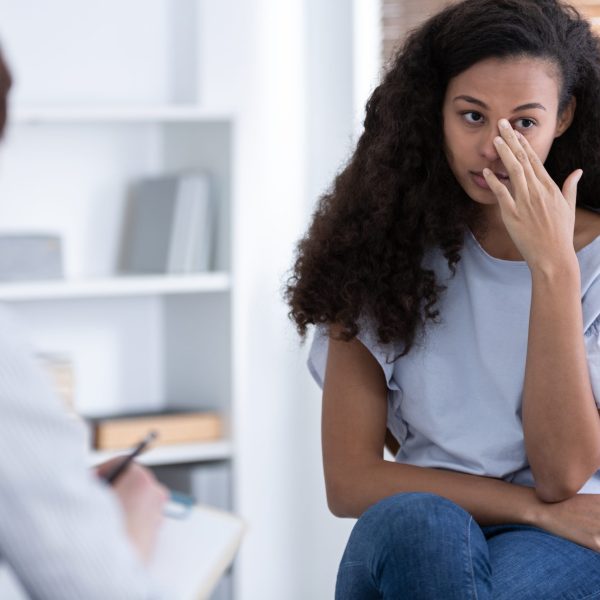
x=417, y=511
x=420, y=522
x=409, y=536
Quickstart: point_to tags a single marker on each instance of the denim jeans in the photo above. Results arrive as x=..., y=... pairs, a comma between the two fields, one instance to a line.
x=418, y=546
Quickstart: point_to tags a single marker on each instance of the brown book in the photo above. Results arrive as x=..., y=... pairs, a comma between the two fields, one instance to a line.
x=173, y=427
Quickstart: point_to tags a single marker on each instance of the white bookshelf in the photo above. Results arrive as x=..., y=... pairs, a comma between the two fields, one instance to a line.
x=115, y=287
x=103, y=98
x=174, y=454
x=115, y=114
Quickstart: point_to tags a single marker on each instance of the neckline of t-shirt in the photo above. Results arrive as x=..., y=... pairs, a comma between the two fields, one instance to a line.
x=519, y=263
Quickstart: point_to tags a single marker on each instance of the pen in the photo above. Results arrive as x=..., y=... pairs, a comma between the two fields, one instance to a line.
x=118, y=469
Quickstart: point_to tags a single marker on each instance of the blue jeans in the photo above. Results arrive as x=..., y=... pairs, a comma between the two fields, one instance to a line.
x=417, y=546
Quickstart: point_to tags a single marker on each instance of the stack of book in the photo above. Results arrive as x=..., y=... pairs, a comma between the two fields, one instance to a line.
x=170, y=225
x=60, y=369
x=175, y=426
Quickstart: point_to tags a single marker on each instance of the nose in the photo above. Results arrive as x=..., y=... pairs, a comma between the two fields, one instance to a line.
x=487, y=149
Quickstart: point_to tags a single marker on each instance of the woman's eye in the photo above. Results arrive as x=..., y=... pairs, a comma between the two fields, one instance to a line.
x=526, y=123
x=472, y=117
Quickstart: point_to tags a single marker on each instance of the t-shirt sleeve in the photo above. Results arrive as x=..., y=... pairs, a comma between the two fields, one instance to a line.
x=384, y=354
x=591, y=325
x=592, y=347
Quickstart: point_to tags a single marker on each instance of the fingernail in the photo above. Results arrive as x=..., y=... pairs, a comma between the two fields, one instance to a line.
x=504, y=124
x=486, y=171
x=498, y=140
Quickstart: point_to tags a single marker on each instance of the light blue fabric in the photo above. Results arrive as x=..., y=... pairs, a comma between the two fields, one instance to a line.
x=454, y=401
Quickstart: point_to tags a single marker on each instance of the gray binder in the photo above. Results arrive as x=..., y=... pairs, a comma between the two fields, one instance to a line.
x=171, y=225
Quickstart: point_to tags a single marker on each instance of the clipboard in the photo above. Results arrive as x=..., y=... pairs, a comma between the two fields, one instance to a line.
x=194, y=549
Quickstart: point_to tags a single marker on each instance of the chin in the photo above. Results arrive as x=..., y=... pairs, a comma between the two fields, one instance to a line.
x=484, y=198
x=479, y=195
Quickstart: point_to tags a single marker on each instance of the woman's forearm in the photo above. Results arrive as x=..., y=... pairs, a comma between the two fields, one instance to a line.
x=560, y=418
x=491, y=501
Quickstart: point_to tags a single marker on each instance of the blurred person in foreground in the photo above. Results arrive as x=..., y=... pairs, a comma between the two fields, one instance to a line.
x=63, y=531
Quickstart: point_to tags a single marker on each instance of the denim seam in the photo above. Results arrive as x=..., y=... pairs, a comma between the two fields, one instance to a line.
x=351, y=563
x=470, y=556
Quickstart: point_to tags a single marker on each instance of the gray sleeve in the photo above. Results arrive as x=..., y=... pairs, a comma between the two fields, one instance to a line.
x=384, y=354
x=590, y=306
x=61, y=530
x=592, y=349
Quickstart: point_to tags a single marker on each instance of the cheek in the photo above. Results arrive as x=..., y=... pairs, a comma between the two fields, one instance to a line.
x=541, y=145
x=456, y=148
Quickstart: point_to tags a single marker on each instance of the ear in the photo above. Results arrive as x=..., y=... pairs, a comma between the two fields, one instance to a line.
x=565, y=118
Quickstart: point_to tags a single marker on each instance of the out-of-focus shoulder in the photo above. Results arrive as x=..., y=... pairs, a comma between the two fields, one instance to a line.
x=14, y=337
x=8, y=319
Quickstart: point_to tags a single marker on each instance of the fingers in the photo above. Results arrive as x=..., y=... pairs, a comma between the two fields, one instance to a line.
x=106, y=467
x=516, y=160
x=500, y=190
x=534, y=160
x=569, y=189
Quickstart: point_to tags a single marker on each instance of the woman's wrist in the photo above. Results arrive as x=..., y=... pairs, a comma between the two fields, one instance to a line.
x=536, y=512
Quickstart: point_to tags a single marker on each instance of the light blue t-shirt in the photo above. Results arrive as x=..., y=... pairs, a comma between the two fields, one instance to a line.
x=454, y=401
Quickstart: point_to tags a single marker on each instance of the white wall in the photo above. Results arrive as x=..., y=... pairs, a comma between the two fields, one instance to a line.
x=329, y=111
x=270, y=189
x=297, y=116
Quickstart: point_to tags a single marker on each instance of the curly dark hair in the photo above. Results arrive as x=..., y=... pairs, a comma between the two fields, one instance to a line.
x=396, y=197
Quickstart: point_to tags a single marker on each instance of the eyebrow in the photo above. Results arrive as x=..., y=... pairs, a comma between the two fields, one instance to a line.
x=484, y=105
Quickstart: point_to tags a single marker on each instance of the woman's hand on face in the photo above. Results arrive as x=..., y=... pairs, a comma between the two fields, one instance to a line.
x=539, y=217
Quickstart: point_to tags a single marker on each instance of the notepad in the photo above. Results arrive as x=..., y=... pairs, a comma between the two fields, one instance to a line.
x=193, y=552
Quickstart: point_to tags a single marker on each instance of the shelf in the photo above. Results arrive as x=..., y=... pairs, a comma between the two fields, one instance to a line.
x=116, y=287
x=124, y=114
x=172, y=454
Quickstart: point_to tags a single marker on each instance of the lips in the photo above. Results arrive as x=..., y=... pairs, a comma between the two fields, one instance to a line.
x=479, y=180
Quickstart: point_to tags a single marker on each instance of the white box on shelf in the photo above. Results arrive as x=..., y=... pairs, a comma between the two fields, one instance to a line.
x=30, y=256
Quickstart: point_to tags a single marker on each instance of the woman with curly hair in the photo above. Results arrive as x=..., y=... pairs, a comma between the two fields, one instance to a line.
x=453, y=275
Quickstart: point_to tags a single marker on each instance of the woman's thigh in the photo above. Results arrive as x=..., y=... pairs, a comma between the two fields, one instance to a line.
x=528, y=563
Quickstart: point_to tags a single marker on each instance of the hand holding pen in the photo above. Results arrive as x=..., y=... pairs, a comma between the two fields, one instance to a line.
x=180, y=503
x=119, y=468
x=141, y=496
